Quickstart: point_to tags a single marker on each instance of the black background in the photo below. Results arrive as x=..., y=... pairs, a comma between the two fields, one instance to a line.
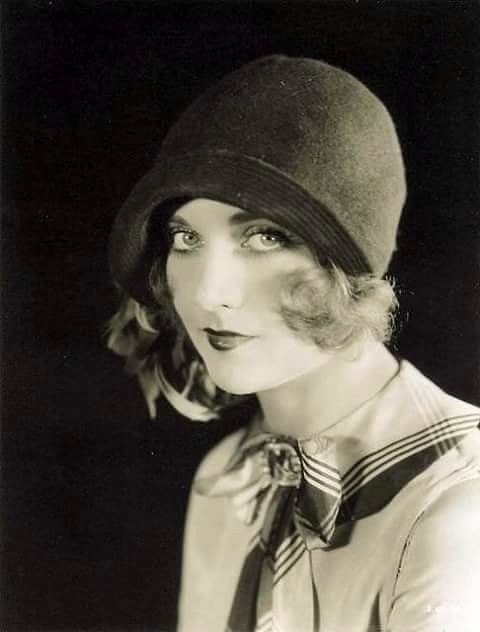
x=93, y=493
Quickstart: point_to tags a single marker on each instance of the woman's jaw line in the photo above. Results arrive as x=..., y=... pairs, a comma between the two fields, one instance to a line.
x=319, y=398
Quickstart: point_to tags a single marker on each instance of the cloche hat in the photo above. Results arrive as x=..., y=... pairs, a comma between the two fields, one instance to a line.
x=295, y=140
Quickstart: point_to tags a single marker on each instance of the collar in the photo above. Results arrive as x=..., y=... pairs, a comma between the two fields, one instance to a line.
x=391, y=439
x=382, y=445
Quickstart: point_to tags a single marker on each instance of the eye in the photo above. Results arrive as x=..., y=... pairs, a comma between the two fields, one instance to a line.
x=182, y=240
x=265, y=239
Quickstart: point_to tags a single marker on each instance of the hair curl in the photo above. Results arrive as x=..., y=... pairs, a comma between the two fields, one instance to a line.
x=325, y=305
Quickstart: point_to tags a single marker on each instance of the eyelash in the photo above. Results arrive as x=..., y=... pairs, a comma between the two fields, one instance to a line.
x=286, y=239
x=175, y=230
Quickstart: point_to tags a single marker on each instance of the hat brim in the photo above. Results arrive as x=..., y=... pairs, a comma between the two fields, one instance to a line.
x=237, y=180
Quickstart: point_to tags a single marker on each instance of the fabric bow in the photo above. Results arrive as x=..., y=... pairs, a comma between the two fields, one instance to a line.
x=294, y=490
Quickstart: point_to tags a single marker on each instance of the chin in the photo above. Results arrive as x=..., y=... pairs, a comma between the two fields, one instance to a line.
x=236, y=386
x=236, y=382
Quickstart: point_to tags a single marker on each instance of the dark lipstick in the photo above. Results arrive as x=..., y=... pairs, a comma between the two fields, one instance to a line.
x=223, y=340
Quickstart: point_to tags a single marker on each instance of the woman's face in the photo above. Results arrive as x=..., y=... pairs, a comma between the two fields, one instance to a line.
x=227, y=270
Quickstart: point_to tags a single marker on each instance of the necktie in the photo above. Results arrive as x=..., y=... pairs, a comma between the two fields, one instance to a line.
x=293, y=490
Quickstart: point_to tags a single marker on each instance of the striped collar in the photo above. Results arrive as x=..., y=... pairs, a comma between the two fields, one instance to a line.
x=389, y=440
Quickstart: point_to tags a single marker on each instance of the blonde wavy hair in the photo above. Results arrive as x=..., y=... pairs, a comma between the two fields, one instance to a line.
x=326, y=306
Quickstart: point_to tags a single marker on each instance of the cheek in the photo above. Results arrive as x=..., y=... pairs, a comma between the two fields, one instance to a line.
x=180, y=276
x=302, y=287
x=171, y=274
x=180, y=286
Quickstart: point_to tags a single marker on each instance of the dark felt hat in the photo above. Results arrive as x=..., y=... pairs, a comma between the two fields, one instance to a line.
x=301, y=142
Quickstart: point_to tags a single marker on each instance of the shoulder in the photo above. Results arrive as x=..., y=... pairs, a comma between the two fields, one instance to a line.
x=446, y=529
x=450, y=493
x=439, y=571
x=455, y=511
x=457, y=507
x=431, y=401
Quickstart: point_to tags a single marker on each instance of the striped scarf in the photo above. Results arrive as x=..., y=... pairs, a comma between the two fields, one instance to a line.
x=299, y=495
x=294, y=490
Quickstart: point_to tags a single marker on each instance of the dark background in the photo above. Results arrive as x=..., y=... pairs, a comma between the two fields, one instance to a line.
x=93, y=493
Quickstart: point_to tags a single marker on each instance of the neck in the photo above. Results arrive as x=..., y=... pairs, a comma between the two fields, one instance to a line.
x=322, y=397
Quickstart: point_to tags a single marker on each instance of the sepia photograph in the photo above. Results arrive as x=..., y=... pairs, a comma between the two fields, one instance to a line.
x=240, y=306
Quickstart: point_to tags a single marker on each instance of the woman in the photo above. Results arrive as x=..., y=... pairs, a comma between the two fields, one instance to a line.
x=252, y=259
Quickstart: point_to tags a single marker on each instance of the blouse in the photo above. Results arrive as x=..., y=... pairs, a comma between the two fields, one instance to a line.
x=405, y=556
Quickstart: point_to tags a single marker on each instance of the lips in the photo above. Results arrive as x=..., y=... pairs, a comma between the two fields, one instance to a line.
x=224, y=340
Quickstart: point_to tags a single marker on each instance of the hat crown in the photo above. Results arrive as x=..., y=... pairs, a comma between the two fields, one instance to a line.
x=318, y=125
x=301, y=101
x=301, y=141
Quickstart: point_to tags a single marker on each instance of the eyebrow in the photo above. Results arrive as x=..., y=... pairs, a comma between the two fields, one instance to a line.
x=178, y=219
x=241, y=217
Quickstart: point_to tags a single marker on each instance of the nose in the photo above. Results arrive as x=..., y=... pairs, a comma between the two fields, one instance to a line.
x=220, y=282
